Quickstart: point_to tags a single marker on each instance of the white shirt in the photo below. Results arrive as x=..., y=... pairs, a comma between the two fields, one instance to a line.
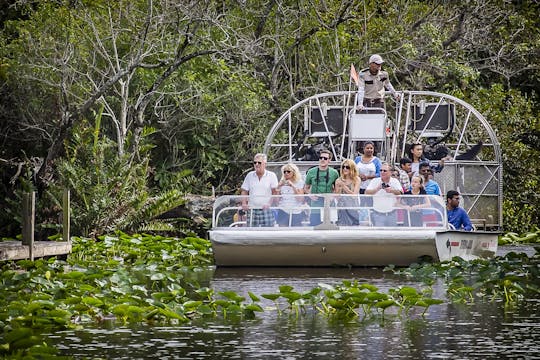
x=289, y=201
x=367, y=169
x=260, y=190
x=382, y=200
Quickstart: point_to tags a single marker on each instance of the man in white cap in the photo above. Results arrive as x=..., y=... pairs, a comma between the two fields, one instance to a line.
x=372, y=84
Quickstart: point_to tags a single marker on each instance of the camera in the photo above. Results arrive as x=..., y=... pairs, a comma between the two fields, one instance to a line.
x=241, y=212
x=384, y=185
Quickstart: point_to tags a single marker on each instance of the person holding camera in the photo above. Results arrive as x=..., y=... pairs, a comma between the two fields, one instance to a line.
x=384, y=189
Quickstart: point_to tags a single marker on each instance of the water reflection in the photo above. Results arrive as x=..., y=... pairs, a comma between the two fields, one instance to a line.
x=480, y=331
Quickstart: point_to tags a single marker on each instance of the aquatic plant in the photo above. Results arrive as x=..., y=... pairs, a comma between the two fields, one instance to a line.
x=351, y=300
x=509, y=278
x=512, y=238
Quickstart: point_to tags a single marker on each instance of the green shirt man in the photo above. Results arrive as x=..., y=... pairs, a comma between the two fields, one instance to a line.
x=320, y=180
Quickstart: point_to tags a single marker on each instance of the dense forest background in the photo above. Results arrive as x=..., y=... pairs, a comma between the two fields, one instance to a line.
x=132, y=104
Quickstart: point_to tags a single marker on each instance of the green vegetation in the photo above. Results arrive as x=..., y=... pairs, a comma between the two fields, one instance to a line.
x=154, y=280
x=132, y=104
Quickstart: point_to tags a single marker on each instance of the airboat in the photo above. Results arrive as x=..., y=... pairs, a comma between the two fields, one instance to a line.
x=449, y=127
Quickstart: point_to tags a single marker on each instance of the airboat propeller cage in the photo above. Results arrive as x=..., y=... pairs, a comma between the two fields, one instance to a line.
x=330, y=120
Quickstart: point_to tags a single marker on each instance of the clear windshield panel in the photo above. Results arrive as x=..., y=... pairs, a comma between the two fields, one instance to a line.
x=382, y=210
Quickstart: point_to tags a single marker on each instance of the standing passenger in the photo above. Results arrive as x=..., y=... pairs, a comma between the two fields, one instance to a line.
x=368, y=165
x=405, y=173
x=384, y=188
x=431, y=186
x=291, y=186
x=260, y=184
x=348, y=184
x=320, y=180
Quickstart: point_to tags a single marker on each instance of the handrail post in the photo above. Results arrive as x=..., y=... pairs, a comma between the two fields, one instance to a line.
x=326, y=224
x=66, y=214
x=28, y=221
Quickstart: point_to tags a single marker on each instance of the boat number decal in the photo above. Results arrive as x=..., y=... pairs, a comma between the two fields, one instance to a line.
x=466, y=244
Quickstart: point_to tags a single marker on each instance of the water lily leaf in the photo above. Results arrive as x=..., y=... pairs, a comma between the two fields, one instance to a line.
x=25, y=343
x=272, y=297
x=40, y=304
x=408, y=291
x=139, y=288
x=326, y=286
x=162, y=296
x=292, y=296
x=75, y=275
x=43, y=351
x=285, y=288
x=168, y=313
x=370, y=287
x=87, y=288
x=157, y=276
x=204, y=291
x=254, y=307
x=430, y=301
x=232, y=296
x=222, y=302
x=253, y=297
x=385, y=304
x=191, y=305
x=205, y=310
x=120, y=310
x=92, y=301
x=17, y=334
x=375, y=296
x=337, y=304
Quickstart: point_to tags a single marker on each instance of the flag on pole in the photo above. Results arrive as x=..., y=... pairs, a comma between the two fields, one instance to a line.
x=354, y=75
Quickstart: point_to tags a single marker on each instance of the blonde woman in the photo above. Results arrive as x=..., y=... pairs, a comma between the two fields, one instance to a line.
x=348, y=184
x=291, y=186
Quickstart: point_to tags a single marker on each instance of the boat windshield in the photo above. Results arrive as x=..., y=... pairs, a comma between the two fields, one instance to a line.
x=330, y=211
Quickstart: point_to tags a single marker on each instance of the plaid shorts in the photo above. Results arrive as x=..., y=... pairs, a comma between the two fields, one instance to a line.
x=260, y=217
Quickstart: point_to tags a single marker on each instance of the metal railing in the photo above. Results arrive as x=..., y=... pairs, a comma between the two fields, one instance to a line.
x=329, y=211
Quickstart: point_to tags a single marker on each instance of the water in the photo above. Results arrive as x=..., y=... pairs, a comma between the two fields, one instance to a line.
x=448, y=331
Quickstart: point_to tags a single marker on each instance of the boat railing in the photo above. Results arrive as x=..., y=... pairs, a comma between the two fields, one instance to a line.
x=329, y=211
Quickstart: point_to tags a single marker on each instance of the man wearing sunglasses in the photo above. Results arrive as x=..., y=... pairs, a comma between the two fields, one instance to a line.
x=320, y=180
x=260, y=184
x=385, y=189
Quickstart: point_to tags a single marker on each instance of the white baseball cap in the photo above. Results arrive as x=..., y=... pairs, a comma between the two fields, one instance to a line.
x=376, y=58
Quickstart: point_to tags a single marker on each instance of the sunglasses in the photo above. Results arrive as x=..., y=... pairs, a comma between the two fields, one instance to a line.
x=287, y=171
x=385, y=170
x=323, y=158
x=346, y=167
x=257, y=162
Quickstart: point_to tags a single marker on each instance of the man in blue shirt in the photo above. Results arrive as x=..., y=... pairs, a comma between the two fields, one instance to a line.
x=457, y=216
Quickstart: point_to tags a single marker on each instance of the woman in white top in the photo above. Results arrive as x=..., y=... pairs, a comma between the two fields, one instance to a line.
x=291, y=186
x=368, y=165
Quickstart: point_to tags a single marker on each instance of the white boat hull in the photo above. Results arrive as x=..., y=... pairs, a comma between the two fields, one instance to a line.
x=344, y=247
x=468, y=245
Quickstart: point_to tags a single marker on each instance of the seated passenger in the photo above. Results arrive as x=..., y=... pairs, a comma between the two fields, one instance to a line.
x=457, y=216
x=414, y=204
x=290, y=187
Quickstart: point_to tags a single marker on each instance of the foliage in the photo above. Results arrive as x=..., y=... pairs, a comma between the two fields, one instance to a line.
x=110, y=191
x=139, y=278
x=512, y=238
x=211, y=78
x=510, y=278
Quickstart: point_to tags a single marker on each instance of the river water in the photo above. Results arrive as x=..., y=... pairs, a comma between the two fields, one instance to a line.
x=447, y=331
